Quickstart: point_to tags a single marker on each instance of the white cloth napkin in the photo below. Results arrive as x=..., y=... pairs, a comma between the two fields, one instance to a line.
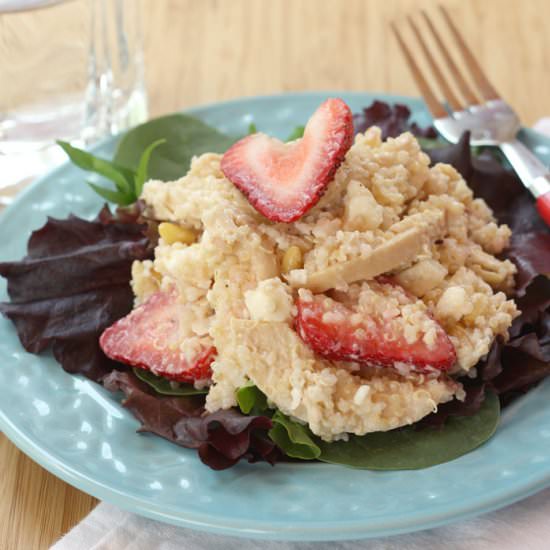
x=525, y=525
x=522, y=526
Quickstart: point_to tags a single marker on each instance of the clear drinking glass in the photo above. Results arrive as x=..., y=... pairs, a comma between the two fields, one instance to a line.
x=69, y=69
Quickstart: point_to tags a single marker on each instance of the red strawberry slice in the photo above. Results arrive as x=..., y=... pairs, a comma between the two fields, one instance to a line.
x=333, y=331
x=150, y=338
x=283, y=181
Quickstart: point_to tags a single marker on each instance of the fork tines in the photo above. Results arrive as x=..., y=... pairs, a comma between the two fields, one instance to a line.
x=466, y=96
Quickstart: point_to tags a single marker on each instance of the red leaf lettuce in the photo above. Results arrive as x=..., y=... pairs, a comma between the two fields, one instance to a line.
x=391, y=119
x=73, y=284
x=221, y=438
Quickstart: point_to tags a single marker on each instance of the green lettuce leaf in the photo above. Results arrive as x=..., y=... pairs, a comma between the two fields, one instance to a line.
x=251, y=400
x=296, y=440
x=163, y=386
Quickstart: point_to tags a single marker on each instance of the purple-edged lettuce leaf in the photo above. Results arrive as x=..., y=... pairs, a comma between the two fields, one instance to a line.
x=221, y=438
x=391, y=119
x=531, y=254
x=74, y=283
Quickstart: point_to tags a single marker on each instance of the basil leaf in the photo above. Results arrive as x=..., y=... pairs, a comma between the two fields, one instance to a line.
x=296, y=440
x=141, y=174
x=163, y=386
x=185, y=137
x=251, y=400
x=410, y=449
x=119, y=175
x=252, y=129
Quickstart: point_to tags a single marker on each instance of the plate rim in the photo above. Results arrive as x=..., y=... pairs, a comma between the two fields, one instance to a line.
x=345, y=531
x=252, y=528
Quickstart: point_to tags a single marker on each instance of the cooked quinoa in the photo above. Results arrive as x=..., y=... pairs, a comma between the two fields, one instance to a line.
x=386, y=212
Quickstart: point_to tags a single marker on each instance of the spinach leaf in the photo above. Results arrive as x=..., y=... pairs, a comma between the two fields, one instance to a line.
x=409, y=448
x=163, y=386
x=295, y=439
x=185, y=137
x=406, y=448
x=143, y=166
x=297, y=133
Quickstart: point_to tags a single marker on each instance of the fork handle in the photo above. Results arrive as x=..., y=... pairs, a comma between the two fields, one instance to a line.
x=543, y=206
x=534, y=175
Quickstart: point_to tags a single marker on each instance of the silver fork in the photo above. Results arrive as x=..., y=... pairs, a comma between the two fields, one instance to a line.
x=482, y=112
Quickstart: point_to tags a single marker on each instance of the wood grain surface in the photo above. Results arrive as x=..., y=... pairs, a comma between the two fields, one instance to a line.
x=200, y=51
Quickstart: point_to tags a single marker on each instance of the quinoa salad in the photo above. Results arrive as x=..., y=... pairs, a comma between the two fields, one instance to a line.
x=338, y=285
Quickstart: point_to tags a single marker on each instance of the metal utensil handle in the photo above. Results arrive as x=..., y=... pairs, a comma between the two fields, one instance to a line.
x=532, y=172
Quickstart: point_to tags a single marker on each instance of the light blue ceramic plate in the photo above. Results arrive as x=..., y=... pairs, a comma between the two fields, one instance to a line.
x=80, y=433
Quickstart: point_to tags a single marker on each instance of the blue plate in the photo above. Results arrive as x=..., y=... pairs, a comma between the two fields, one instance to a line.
x=79, y=431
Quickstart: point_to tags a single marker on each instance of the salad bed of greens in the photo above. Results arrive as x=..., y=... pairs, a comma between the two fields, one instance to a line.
x=74, y=283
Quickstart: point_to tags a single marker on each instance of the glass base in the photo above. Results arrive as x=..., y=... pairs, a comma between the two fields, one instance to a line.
x=28, y=135
x=18, y=169
x=34, y=127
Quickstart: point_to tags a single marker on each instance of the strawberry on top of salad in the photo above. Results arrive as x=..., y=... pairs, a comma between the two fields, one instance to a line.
x=351, y=282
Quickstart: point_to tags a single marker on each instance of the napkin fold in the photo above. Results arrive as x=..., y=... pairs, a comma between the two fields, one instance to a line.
x=524, y=525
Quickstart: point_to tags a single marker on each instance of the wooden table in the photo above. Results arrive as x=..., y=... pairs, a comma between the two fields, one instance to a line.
x=199, y=51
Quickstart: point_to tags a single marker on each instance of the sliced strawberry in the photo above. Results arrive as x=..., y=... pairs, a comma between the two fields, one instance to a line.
x=283, y=181
x=151, y=338
x=340, y=333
